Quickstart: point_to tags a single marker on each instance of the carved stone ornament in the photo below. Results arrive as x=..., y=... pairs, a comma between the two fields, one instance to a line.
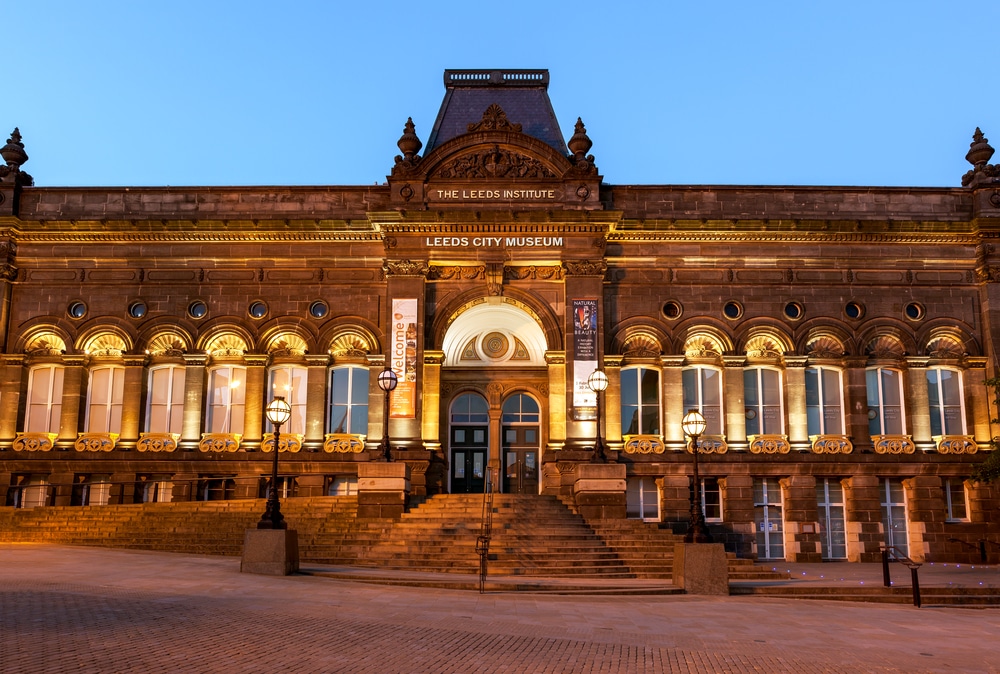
x=586, y=267
x=290, y=442
x=95, y=442
x=533, y=272
x=988, y=274
x=13, y=153
x=34, y=442
x=343, y=443
x=825, y=347
x=456, y=273
x=769, y=444
x=893, y=444
x=709, y=444
x=643, y=444
x=583, y=165
x=158, y=442
x=980, y=152
x=494, y=119
x=832, y=444
x=220, y=442
x=494, y=163
x=405, y=268
x=957, y=444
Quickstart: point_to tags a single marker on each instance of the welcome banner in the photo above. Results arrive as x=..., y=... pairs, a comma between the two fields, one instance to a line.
x=403, y=358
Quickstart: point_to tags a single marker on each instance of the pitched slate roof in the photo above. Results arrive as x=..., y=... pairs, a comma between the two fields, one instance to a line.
x=523, y=95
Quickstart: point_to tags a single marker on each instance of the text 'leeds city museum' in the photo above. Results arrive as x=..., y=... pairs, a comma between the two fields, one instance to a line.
x=837, y=340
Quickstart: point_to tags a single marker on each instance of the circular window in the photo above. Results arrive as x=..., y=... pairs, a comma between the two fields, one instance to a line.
x=197, y=309
x=137, y=309
x=319, y=309
x=732, y=310
x=257, y=310
x=76, y=309
x=914, y=311
x=794, y=311
x=854, y=310
x=672, y=310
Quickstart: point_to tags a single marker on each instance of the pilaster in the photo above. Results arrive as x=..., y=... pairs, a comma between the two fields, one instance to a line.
x=316, y=396
x=736, y=420
x=863, y=513
x=72, y=400
x=256, y=398
x=802, y=537
x=11, y=387
x=194, y=394
x=795, y=402
x=132, y=401
x=919, y=403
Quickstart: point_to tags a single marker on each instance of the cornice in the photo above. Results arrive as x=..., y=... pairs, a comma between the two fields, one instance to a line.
x=49, y=236
x=633, y=236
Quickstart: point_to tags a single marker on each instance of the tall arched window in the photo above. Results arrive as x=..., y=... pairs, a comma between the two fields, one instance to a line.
x=45, y=388
x=165, y=399
x=104, y=399
x=885, y=401
x=703, y=392
x=824, y=401
x=348, y=400
x=290, y=381
x=944, y=392
x=640, y=403
x=762, y=398
x=226, y=396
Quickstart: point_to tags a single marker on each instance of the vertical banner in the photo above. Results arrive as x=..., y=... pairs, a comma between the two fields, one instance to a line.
x=584, y=351
x=403, y=358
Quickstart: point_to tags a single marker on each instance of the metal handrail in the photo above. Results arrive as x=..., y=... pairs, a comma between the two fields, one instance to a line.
x=485, y=531
x=898, y=556
x=979, y=546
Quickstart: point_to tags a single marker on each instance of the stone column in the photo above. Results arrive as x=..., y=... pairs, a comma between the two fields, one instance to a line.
x=802, y=537
x=584, y=281
x=856, y=404
x=926, y=512
x=918, y=404
x=73, y=395
x=194, y=397
x=735, y=407
x=12, y=386
x=406, y=279
x=376, y=403
x=255, y=400
x=62, y=487
x=672, y=393
x=599, y=490
x=558, y=404
x=795, y=403
x=132, y=401
x=383, y=489
x=430, y=389
x=612, y=404
x=494, y=391
x=863, y=512
x=737, y=513
x=316, y=395
x=977, y=398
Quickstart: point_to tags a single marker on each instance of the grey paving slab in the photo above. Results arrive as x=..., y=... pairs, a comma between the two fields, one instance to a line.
x=67, y=609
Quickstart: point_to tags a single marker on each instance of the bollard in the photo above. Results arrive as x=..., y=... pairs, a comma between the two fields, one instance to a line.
x=916, y=586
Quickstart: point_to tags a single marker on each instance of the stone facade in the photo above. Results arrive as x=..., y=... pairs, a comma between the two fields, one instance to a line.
x=837, y=338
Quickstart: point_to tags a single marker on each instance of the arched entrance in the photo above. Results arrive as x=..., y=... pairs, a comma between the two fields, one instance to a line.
x=520, y=426
x=468, y=436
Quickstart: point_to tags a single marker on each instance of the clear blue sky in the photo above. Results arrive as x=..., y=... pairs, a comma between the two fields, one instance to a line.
x=208, y=92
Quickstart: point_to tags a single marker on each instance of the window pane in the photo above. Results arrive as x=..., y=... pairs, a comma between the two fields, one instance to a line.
x=650, y=387
x=630, y=389
x=630, y=419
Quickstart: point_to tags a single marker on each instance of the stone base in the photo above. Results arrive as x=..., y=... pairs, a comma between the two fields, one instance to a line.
x=701, y=568
x=271, y=552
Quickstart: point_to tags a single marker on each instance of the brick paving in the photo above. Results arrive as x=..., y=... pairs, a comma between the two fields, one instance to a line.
x=66, y=609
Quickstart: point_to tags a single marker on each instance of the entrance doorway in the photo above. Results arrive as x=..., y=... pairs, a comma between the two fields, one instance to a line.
x=520, y=431
x=469, y=441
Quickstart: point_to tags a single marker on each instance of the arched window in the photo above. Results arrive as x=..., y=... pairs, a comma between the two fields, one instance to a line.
x=885, y=401
x=348, y=400
x=520, y=409
x=944, y=392
x=762, y=399
x=226, y=396
x=45, y=388
x=104, y=399
x=824, y=401
x=470, y=408
x=165, y=400
x=640, y=390
x=703, y=392
x=291, y=382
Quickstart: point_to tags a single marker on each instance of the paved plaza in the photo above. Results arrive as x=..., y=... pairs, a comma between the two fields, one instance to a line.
x=72, y=609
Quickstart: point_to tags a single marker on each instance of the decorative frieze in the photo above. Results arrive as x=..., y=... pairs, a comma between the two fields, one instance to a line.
x=34, y=442
x=893, y=444
x=643, y=444
x=831, y=444
x=343, y=443
x=158, y=442
x=710, y=444
x=220, y=442
x=956, y=444
x=290, y=442
x=769, y=444
x=95, y=442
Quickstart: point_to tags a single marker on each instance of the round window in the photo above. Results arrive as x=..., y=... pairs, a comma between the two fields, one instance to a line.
x=257, y=310
x=914, y=311
x=672, y=310
x=854, y=310
x=319, y=309
x=76, y=309
x=794, y=311
x=732, y=310
x=137, y=309
x=197, y=309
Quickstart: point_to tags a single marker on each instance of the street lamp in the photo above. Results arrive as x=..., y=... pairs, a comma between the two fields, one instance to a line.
x=278, y=412
x=598, y=383
x=694, y=424
x=387, y=381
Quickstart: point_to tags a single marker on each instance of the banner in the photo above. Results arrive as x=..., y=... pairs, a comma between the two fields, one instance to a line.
x=584, y=351
x=403, y=358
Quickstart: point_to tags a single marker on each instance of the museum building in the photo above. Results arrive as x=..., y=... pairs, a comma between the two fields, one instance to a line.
x=837, y=340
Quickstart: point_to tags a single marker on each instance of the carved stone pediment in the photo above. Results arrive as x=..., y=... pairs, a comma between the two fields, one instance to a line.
x=494, y=119
x=495, y=163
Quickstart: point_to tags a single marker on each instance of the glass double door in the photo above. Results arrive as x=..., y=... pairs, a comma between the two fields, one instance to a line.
x=468, y=459
x=520, y=459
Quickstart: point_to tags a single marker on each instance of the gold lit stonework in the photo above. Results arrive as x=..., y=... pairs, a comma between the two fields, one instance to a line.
x=157, y=442
x=769, y=444
x=831, y=444
x=343, y=443
x=290, y=442
x=709, y=444
x=96, y=442
x=956, y=444
x=643, y=444
x=34, y=442
x=893, y=444
x=219, y=442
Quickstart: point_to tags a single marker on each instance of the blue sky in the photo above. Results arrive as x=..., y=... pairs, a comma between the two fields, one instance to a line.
x=314, y=93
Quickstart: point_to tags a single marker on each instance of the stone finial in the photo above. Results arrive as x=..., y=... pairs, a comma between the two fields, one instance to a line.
x=13, y=152
x=980, y=150
x=580, y=143
x=408, y=143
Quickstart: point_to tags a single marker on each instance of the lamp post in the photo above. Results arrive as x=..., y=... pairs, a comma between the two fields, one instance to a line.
x=278, y=412
x=694, y=425
x=387, y=381
x=598, y=383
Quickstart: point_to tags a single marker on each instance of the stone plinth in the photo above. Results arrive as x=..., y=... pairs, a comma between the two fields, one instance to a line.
x=599, y=490
x=383, y=489
x=271, y=552
x=701, y=568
